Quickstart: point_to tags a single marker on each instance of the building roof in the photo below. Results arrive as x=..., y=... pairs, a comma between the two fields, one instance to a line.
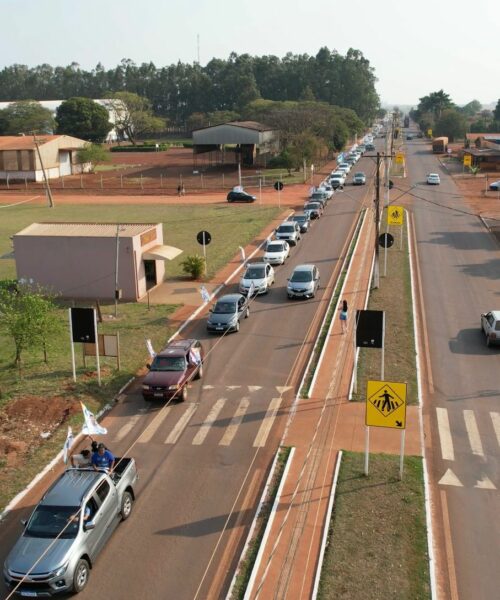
x=482, y=152
x=26, y=142
x=243, y=124
x=474, y=136
x=104, y=230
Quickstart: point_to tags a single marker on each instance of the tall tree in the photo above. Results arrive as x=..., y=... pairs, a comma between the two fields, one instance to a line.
x=471, y=108
x=496, y=112
x=26, y=116
x=451, y=124
x=133, y=115
x=83, y=118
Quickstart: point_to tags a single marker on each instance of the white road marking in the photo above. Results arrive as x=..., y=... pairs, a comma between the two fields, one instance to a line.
x=152, y=428
x=231, y=429
x=283, y=388
x=208, y=387
x=485, y=484
x=449, y=478
x=181, y=424
x=127, y=428
x=254, y=388
x=495, y=417
x=444, y=434
x=265, y=428
x=233, y=387
x=199, y=438
x=473, y=433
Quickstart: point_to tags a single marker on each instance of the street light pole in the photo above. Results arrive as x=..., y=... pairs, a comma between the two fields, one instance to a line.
x=376, y=266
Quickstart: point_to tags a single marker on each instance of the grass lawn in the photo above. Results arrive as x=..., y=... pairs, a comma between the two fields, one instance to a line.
x=394, y=297
x=377, y=541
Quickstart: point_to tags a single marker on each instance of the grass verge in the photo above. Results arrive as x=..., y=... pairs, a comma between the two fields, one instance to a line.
x=248, y=561
x=377, y=544
x=394, y=297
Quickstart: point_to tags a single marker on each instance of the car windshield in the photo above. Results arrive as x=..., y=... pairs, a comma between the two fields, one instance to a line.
x=225, y=307
x=286, y=228
x=53, y=521
x=312, y=206
x=275, y=248
x=359, y=175
x=255, y=273
x=318, y=195
x=168, y=363
x=299, y=218
x=301, y=276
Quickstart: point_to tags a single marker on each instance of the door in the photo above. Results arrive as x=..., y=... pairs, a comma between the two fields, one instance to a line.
x=150, y=271
x=64, y=163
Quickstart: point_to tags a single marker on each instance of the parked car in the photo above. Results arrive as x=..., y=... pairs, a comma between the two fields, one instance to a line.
x=369, y=147
x=304, y=220
x=240, y=197
x=277, y=251
x=288, y=231
x=344, y=166
x=337, y=182
x=495, y=186
x=433, y=179
x=172, y=369
x=359, y=178
x=227, y=313
x=319, y=196
x=361, y=149
x=327, y=189
x=260, y=274
x=304, y=282
x=68, y=528
x=409, y=136
x=338, y=175
x=490, y=324
x=313, y=209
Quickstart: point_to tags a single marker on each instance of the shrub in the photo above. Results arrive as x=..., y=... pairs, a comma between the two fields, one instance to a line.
x=193, y=265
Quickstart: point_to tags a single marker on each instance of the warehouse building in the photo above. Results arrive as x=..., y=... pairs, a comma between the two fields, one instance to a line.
x=20, y=160
x=246, y=142
x=93, y=260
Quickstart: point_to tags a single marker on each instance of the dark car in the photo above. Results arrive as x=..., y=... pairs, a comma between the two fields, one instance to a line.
x=370, y=147
x=319, y=196
x=172, y=369
x=227, y=313
x=240, y=197
x=303, y=220
x=313, y=209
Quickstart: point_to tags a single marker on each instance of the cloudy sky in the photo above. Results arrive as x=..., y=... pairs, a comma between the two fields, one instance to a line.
x=415, y=47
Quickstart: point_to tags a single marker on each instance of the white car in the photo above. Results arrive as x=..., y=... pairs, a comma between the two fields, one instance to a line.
x=277, y=251
x=327, y=189
x=261, y=275
x=433, y=179
x=344, y=166
x=490, y=324
x=338, y=175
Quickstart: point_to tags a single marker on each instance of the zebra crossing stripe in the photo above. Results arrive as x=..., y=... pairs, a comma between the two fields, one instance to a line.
x=265, y=427
x=495, y=417
x=232, y=428
x=176, y=432
x=153, y=427
x=199, y=438
x=445, y=440
x=473, y=433
x=127, y=428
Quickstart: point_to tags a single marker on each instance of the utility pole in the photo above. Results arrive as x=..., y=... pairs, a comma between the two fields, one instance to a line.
x=376, y=266
x=45, y=178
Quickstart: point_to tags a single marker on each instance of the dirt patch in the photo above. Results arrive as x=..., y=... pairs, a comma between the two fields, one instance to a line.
x=26, y=422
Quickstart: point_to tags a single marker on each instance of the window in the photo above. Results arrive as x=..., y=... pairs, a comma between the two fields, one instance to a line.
x=102, y=491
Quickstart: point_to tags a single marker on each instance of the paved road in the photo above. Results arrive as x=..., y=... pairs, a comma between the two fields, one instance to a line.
x=203, y=463
x=459, y=263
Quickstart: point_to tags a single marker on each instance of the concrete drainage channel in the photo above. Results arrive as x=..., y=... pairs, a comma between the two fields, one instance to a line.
x=243, y=580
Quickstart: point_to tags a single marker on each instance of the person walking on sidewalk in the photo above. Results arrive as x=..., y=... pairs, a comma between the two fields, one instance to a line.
x=343, y=316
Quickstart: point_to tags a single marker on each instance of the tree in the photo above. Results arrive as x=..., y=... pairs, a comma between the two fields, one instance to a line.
x=26, y=116
x=193, y=265
x=134, y=116
x=435, y=103
x=496, y=112
x=28, y=316
x=471, y=108
x=94, y=154
x=83, y=118
x=452, y=124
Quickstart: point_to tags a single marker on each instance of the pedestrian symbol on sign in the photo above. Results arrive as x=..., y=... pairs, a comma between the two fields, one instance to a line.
x=395, y=215
x=386, y=404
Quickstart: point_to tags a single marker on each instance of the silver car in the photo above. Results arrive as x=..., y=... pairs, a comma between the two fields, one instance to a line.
x=304, y=282
x=259, y=277
x=288, y=231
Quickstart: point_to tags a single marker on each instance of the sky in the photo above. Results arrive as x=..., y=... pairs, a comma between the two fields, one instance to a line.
x=415, y=48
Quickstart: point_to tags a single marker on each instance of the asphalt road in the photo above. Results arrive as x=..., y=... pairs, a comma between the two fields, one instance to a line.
x=203, y=463
x=459, y=263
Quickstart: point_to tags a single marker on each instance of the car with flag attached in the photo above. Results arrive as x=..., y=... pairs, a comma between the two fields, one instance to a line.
x=68, y=528
x=313, y=209
x=257, y=279
x=227, y=313
x=172, y=369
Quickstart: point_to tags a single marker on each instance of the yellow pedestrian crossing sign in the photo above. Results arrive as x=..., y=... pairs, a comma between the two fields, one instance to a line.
x=395, y=215
x=386, y=404
x=400, y=158
x=467, y=160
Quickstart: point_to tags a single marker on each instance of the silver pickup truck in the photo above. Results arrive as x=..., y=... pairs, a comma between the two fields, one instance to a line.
x=68, y=529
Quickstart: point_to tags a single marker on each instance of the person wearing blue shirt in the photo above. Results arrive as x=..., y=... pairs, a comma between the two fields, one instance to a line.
x=103, y=459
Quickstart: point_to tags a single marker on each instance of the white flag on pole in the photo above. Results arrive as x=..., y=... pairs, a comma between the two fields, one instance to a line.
x=150, y=348
x=243, y=256
x=204, y=294
x=195, y=356
x=91, y=426
x=251, y=289
x=67, y=445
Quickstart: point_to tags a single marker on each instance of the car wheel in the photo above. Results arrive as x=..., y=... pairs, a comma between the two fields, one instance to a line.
x=184, y=393
x=126, y=505
x=199, y=373
x=81, y=575
x=289, y=296
x=247, y=314
x=237, y=326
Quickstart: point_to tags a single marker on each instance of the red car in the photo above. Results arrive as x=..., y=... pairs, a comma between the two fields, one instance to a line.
x=172, y=369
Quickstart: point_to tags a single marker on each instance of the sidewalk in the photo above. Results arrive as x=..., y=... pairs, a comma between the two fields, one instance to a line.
x=323, y=424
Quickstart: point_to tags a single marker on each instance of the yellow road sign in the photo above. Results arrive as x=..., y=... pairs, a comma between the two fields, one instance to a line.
x=395, y=215
x=467, y=160
x=429, y=133
x=400, y=158
x=386, y=404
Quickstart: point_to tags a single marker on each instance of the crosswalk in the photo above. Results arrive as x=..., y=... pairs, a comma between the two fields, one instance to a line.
x=461, y=431
x=246, y=410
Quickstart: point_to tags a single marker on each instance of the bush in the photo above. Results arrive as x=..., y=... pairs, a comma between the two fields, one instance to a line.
x=141, y=148
x=194, y=265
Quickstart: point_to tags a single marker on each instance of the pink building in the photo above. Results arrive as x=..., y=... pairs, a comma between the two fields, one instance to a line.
x=80, y=260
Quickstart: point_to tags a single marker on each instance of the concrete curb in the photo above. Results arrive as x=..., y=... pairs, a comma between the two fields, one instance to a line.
x=326, y=528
